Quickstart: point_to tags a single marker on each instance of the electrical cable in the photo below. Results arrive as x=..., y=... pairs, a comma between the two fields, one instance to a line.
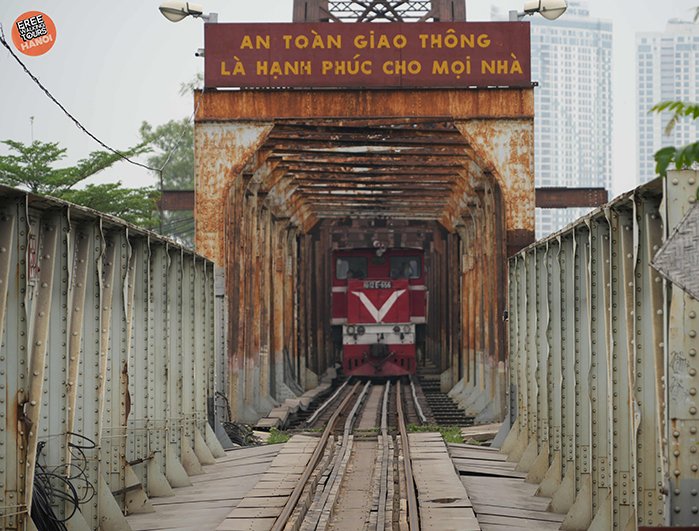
x=56, y=486
x=82, y=127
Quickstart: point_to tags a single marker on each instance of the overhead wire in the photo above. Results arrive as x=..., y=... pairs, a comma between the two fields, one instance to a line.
x=80, y=126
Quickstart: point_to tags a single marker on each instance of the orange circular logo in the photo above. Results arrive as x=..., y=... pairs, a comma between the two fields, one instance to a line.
x=34, y=33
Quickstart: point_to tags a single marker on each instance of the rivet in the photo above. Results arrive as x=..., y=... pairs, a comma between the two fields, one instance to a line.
x=693, y=410
x=693, y=352
x=692, y=391
x=692, y=372
x=692, y=315
x=676, y=434
x=675, y=181
x=676, y=453
x=692, y=199
x=695, y=468
x=692, y=180
x=692, y=333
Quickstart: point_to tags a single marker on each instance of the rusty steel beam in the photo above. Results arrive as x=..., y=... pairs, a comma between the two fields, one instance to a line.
x=174, y=200
x=503, y=103
x=571, y=197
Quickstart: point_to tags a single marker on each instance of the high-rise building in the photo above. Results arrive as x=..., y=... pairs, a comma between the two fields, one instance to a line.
x=667, y=69
x=572, y=63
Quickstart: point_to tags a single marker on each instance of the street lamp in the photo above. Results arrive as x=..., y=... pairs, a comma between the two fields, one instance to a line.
x=174, y=11
x=550, y=9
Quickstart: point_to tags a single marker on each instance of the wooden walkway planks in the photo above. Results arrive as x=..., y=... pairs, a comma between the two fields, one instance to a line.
x=205, y=504
x=501, y=499
x=270, y=494
x=443, y=502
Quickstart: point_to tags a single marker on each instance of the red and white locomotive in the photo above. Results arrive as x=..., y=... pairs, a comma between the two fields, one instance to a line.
x=379, y=304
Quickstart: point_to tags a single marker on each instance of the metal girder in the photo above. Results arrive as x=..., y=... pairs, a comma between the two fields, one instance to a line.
x=622, y=379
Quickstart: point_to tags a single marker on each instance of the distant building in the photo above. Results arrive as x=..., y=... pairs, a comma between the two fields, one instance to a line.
x=667, y=69
x=572, y=62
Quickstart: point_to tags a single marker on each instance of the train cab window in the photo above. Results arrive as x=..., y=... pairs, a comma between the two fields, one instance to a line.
x=405, y=267
x=351, y=267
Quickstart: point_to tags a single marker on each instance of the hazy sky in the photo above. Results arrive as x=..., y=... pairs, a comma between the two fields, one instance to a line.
x=115, y=64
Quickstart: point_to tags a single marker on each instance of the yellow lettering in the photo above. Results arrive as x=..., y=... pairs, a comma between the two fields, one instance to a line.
x=467, y=40
x=440, y=68
x=261, y=68
x=287, y=41
x=516, y=67
x=301, y=41
x=436, y=41
x=327, y=66
x=224, y=72
x=383, y=42
x=340, y=68
x=366, y=67
x=457, y=67
x=400, y=67
x=450, y=41
x=318, y=42
x=291, y=68
x=332, y=41
x=353, y=71
x=360, y=41
x=305, y=68
x=276, y=70
x=483, y=41
x=502, y=67
x=489, y=66
x=414, y=67
x=388, y=68
x=399, y=41
x=424, y=38
x=262, y=42
x=239, y=69
x=247, y=43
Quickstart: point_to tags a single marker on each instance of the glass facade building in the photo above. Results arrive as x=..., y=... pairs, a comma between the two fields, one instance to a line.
x=667, y=68
x=572, y=63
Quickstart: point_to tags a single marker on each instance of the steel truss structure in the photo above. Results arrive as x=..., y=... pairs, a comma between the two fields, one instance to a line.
x=379, y=10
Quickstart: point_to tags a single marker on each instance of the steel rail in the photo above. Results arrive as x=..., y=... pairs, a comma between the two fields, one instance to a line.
x=281, y=521
x=418, y=408
x=325, y=404
x=409, y=482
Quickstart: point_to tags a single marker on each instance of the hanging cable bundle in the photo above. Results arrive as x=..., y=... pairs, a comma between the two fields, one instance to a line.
x=61, y=485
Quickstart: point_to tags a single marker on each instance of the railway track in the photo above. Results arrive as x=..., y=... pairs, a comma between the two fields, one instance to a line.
x=359, y=476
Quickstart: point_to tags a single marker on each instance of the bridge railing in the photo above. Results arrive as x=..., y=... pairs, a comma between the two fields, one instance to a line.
x=603, y=362
x=107, y=362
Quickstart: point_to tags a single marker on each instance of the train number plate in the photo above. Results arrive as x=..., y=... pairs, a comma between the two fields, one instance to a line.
x=378, y=284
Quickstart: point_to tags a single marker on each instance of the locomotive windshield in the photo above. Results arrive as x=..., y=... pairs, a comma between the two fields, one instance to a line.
x=405, y=267
x=351, y=267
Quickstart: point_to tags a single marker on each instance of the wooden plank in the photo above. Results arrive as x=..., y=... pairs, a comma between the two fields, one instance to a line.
x=476, y=454
x=245, y=524
x=477, y=468
x=207, y=503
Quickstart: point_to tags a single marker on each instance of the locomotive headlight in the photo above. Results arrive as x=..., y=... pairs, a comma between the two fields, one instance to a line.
x=406, y=329
x=396, y=329
x=350, y=330
x=360, y=330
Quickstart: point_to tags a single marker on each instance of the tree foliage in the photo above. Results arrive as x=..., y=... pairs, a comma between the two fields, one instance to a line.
x=682, y=157
x=173, y=140
x=32, y=167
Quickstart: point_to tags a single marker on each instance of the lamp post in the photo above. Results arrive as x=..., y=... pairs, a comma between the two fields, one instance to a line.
x=550, y=9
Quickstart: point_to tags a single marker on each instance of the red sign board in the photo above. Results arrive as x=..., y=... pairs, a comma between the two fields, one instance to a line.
x=429, y=54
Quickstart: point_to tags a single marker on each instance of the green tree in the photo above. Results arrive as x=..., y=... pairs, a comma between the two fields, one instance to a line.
x=173, y=142
x=33, y=167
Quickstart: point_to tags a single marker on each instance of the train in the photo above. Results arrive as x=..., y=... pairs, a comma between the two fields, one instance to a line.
x=379, y=309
